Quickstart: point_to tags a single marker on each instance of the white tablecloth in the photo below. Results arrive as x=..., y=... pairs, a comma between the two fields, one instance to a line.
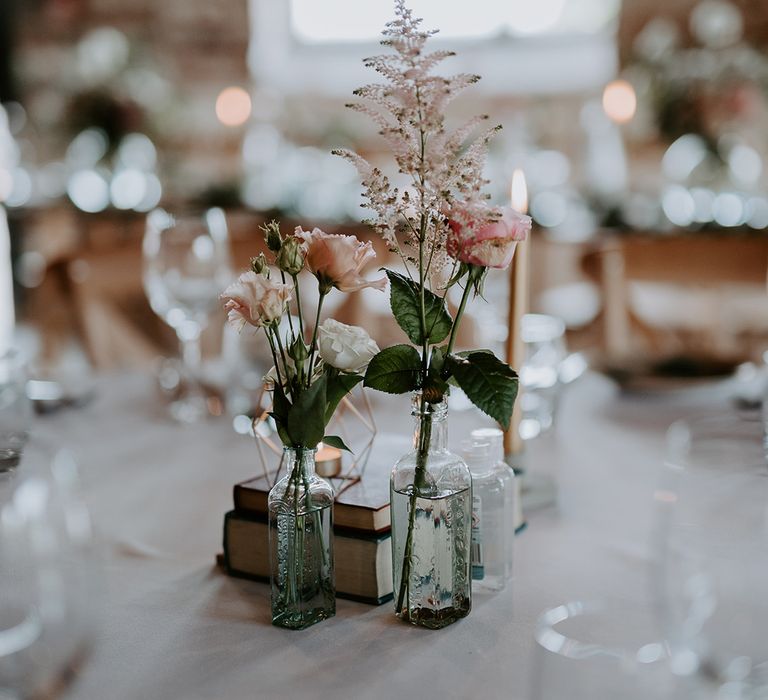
x=176, y=627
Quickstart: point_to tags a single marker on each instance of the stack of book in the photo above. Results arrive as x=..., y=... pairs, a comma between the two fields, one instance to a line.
x=362, y=533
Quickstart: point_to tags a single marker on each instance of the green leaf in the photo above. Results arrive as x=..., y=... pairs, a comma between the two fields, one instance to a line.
x=489, y=383
x=306, y=419
x=394, y=370
x=339, y=385
x=404, y=299
x=280, y=405
x=335, y=441
x=283, y=433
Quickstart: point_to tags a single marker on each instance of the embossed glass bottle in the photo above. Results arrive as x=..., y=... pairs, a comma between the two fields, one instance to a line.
x=301, y=544
x=431, y=498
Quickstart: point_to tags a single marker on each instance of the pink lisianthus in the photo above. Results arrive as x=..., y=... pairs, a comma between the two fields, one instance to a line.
x=255, y=299
x=338, y=260
x=489, y=245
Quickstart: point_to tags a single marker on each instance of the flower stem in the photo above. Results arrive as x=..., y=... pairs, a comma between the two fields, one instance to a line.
x=298, y=305
x=288, y=307
x=459, y=314
x=422, y=454
x=313, y=345
x=422, y=450
x=282, y=350
x=274, y=355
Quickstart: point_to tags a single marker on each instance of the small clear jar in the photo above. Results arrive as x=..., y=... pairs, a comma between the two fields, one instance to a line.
x=513, y=511
x=489, y=535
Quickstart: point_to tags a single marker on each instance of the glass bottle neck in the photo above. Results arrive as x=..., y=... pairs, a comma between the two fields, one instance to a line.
x=430, y=427
x=301, y=460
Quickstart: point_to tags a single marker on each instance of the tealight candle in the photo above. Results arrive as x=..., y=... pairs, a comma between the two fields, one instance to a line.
x=327, y=460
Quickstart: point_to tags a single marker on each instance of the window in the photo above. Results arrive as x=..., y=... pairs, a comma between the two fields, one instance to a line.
x=519, y=46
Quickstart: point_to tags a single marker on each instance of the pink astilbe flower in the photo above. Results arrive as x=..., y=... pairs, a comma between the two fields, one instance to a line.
x=441, y=165
x=338, y=260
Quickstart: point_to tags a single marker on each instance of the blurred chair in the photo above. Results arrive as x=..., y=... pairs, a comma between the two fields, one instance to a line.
x=700, y=294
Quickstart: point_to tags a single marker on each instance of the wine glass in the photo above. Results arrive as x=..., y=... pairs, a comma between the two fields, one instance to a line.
x=544, y=340
x=48, y=576
x=606, y=649
x=186, y=267
x=712, y=553
x=15, y=409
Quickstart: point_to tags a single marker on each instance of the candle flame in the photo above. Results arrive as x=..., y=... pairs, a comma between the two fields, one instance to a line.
x=519, y=192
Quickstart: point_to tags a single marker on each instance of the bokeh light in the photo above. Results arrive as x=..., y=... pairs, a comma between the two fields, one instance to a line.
x=549, y=209
x=728, y=209
x=683, y=156
x=678, y=205
x=6, y=184
x=745, y=163
x=22, y=189
x=233, y=106
x=620, y=101
x=128, y=188
x=88, y=191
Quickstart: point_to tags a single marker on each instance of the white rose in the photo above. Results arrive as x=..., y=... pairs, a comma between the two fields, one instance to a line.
x=348, y=348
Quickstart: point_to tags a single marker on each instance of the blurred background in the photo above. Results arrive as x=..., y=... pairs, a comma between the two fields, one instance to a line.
x=638, y=128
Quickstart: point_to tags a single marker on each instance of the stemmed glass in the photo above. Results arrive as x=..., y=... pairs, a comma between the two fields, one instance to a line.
x=712, y=554
x=601, y=649
x=49, y=599
x=186, y=266
x=15, y=409
x=544, y=340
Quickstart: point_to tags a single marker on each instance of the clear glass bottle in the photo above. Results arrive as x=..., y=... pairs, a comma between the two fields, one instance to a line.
x=489, y=516
x=513, y=513
x=301, y=544
x=431, y=498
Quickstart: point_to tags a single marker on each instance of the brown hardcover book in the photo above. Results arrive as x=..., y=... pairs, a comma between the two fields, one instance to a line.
x=362, y=506
x=363, y=560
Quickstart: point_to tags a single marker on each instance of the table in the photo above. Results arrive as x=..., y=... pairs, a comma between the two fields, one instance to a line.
x=176, y=627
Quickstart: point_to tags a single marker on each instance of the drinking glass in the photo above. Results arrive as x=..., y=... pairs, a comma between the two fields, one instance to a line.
x=15, y=409
x=591, y=650
x=543, y=337
x=48, y=576
x=712, y=553
x=186, y=267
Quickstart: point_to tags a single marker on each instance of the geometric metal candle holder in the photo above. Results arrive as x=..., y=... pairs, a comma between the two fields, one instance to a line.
x=353, y=422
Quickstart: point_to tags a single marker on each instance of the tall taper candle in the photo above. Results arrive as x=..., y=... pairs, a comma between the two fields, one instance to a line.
x=518, y=305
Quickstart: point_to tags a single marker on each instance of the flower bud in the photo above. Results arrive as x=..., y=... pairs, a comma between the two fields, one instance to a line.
x=298, y=351
x=290, y=259
x=259, y=264
x=272, y=236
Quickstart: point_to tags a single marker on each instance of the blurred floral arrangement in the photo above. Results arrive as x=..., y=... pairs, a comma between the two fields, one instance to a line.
x=708, y=102
x=87, y=131
x=718, y=83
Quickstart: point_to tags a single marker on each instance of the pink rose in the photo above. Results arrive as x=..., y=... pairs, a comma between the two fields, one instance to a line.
x=255, y=299
x=337, y=260
x=489, y=245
